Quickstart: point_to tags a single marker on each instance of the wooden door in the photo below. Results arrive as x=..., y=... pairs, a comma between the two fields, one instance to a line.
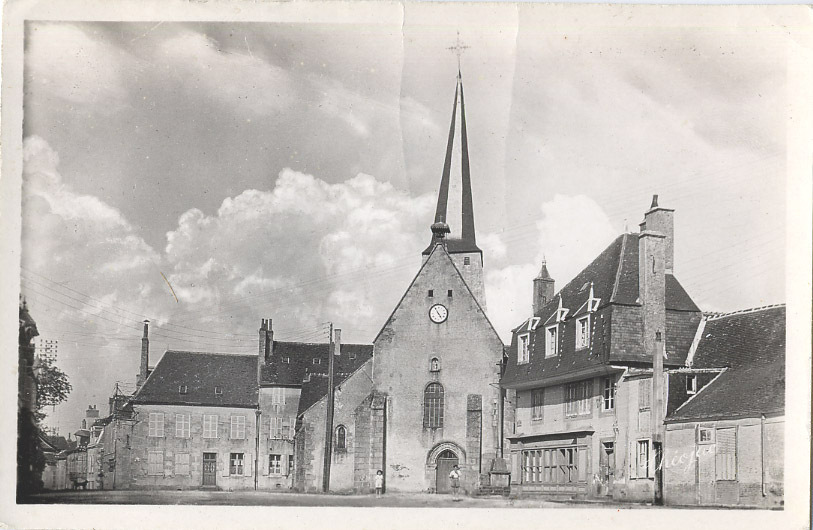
x=209, y=469
x=445, y=462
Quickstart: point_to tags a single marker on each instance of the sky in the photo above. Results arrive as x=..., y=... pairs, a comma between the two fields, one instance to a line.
x=205, y=176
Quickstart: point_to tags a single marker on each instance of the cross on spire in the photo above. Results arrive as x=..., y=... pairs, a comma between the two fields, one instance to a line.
x=458, y=49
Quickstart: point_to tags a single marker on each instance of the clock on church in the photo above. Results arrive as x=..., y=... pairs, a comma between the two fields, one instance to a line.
x=438, y=313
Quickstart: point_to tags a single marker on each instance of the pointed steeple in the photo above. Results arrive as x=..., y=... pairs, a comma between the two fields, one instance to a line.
x=467, y=241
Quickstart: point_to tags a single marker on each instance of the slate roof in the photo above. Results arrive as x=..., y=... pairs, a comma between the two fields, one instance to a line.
x=300, y=361
x=613, y=275
x=751, y=345
x=55, y=443
x=236, y=375
x=454, y=246
x=316, y=387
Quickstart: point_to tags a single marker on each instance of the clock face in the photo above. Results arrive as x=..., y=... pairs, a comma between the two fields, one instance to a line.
x=438, y=313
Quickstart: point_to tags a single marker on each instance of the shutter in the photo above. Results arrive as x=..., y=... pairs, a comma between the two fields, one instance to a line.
x=248, y=465
x=224, y=470
x=264, y=464
x=634, y=460
x=726, y=454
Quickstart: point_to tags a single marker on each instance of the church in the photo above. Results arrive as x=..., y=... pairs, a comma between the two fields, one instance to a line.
x=428, y=398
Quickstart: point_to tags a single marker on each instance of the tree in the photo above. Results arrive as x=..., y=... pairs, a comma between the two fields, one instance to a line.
x=52, y=384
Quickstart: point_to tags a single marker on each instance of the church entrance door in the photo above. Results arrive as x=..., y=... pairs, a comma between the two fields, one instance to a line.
x=445, y=462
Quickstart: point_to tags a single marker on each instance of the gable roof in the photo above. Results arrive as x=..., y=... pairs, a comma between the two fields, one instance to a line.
x=316, y=387
x=300, y=358
x=236, y=375
x=751, y=346
x=418, y=274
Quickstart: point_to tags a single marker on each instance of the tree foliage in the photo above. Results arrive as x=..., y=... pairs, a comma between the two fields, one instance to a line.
x=53, y=386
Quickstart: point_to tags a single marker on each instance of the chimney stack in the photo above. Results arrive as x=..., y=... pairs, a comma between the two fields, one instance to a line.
x=662, y=221
x=144, y=369
x=652, y=260
x=543, y=289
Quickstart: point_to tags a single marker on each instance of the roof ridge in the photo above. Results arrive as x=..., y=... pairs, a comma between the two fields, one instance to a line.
x=222, y=354
x=618, y=270
x=714, y=315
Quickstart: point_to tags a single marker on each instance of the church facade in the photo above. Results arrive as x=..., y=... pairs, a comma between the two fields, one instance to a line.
x=429, y=397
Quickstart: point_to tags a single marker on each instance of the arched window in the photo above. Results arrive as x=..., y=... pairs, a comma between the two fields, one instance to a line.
x=433, y=406
x=341, y=438
x=434, y=365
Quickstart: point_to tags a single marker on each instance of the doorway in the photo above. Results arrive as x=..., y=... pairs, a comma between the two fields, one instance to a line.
x=445, y=462
x=209, y=469
x=607, y=467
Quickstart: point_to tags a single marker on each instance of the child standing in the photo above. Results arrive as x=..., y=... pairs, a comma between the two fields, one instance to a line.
x=454, y=478
x=379, y=483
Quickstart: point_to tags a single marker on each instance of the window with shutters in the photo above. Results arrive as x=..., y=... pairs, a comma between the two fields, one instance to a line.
x=433, y=406
x=644, y=394
x=290, y=468
x=183, y=425
x=551, y=340
x=523, y=349
x=182, y=464
x=642, y=459
x=238, y=428
x=577, y=398
x=560, y=465
x=583, y=333
x=275, y=427
x=155, y=463
x=156, y=425
x=537, y=403
x=274, y=464
x=210, y=426
x=236, y=464
x=726, y=454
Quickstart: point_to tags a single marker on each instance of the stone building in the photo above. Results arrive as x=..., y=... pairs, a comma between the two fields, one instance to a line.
x=579, y=370
x=725, y=444
x=429, y=397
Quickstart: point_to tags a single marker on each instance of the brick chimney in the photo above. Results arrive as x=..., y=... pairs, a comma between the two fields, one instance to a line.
x=266, y=345
x=662, y=221
x=652, y=259
x=543, y=289
x=144, y=369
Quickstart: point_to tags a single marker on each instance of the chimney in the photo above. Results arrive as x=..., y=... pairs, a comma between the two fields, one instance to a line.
x=662, y=221
x=543, y=289
x=144, y=369
x=652, y=285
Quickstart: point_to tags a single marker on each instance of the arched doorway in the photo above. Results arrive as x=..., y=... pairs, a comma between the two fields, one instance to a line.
x=445, y=462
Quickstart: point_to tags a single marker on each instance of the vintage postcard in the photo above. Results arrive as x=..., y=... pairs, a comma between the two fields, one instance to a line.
x=396, y=264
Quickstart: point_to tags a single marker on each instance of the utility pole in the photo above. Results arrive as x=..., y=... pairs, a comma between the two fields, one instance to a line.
x=333, y=350
x=657, y=415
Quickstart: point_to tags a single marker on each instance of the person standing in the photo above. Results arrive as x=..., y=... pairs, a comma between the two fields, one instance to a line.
x=454, y=478
x=379, y=483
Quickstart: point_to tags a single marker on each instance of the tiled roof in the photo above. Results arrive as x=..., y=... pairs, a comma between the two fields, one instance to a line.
x=57, y=443
x=454, y=246
x=315, y=387
x=751, y=345
x=291, y=361
x=613, y=275
x=235, y=375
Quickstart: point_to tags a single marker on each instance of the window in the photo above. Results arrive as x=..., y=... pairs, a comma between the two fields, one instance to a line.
x=286, y=360
x=644, y=394
x=236, y=464
x=642, y=461
x=537, y=403
x=433, y=406
x=275, y=427
x=183, y=425
x=434, y=365
x=691, y=384
x=209, y=426
x=288, y=427
x=609, y=394
x=726, y=454
x=155, y=463
x=466, y=260
x=274, y=464
x=181, y=463
x=705, y=435
x=290, y=469
x=449, y=293
x=218, y=391
x=317, y=361
x=431, y=293
x=551, y=341
x=583, y=333
x=523, y=350
x=577, y=398
x=182, y=389
x=341, y=438
x=156, y=424
x=561, y=465
x=238, y=428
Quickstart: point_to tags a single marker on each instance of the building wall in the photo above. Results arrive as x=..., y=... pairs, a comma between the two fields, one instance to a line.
x=171, y=473
x=278, y=407
x=469, y=352
x=693, y=469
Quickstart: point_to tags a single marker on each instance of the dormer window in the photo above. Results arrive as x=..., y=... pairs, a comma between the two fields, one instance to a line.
x=551, y=340
x=592, y=302
x=182, y=389
x=286, y=360
x=317, y=361
x=691, y=384
x=218, y=391
x=561, y=312
x=583, y=333
x=523, y=348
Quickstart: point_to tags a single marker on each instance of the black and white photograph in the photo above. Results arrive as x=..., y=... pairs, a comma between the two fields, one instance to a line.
x=539, y=262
